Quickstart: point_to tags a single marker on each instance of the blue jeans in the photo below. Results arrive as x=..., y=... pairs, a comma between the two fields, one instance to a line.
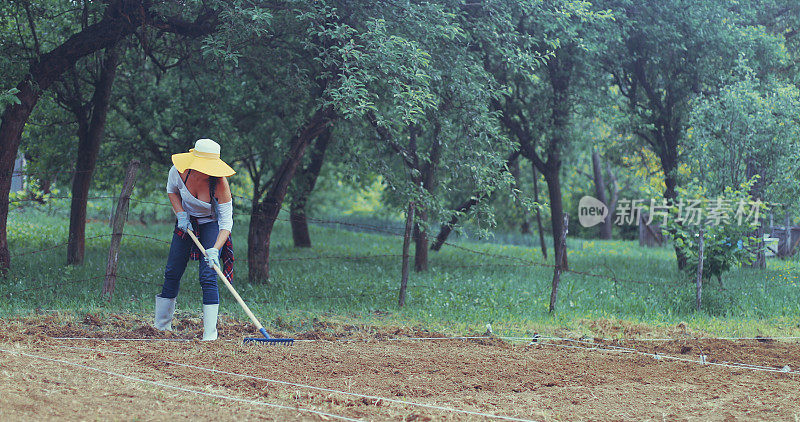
x=179, y=251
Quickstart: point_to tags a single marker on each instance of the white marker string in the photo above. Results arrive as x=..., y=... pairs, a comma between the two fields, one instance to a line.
x=328, y=390
x=598, y=346
x=121, y=339
x=760, y=339
x=513, y=338
x=444, y=338
x=92, y=350
x=542, y=341
x=187, y=390
x=657, y=356
x=111, y=339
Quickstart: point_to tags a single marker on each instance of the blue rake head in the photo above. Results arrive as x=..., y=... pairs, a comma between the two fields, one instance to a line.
x=269, y=339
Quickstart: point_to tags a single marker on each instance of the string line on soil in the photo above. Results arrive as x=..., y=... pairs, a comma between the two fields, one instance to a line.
x=612, y=348
x=328, y=390
x=121, y=339
x=667, y=339
x=589, y=346
x=510, y=338
x=658, y=356
x=365, y=396
x=183, y=389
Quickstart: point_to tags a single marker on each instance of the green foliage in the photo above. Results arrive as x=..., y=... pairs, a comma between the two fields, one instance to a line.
x=8, y=97
x=664, y=54
x=748, y=127
x=728, y=224
x=708, y=84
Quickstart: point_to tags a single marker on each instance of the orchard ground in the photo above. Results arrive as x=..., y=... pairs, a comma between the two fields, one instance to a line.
x=601, y=356
x=374, y=373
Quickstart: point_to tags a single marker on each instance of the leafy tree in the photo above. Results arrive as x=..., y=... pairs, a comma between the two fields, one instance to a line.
x=8, y=97
x=540, y=99
x=120, y=19
x=456, y=145
x=663, y=54
x=304, y=184
x=91, y=120
x=728, y=222
x=748, y=128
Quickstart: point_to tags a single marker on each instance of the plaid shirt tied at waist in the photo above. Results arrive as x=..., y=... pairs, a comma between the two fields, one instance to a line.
x=225, y=254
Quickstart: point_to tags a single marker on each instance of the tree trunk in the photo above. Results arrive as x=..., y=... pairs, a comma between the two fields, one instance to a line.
x=428, y=182
x=120, y=19
x=557, y=217
x=752, y=169
x=612, y=206
x=560, y=72
x=542, y=243
x=699, y=283
x=600, y=191
x=446, y=229
x=14, y=119
x=669, y=164
x=421, y=243
x=561, y=239
x=266, y=211
x=304, y=185
x=760, y=260
x=90, y=139
x=258, y=243
x=524, y=226
x=299, y=222
x=401, y=301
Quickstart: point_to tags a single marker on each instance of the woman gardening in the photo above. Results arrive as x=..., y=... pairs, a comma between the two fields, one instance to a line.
x=197, y=187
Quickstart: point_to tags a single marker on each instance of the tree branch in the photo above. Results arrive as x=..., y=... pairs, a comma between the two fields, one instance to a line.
x=32, y=25
x=385, y=136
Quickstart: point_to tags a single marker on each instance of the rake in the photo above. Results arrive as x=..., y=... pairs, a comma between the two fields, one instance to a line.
x=267, y=338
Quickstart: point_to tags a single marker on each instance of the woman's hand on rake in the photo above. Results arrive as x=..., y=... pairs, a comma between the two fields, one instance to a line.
x=212, y=257
x=183, y=221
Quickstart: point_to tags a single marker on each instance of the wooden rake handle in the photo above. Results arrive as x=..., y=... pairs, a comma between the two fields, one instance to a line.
x=227, y=283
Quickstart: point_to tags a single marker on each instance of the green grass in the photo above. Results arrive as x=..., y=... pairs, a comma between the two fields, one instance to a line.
x=461, y=293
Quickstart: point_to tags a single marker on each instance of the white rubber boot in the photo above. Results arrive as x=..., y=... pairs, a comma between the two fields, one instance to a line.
x=165, y=309
x=210, y=322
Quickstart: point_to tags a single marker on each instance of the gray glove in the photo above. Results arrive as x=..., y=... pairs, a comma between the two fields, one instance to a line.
x=212, y=257
x=183, y=221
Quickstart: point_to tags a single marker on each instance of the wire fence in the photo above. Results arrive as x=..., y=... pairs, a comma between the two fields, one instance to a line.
x=489, y=259
x=494, y=260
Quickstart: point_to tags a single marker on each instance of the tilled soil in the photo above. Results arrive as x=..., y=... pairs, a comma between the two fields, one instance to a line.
x=381, y=374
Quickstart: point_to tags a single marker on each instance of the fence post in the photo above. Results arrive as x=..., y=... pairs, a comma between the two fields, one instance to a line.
x=117, y=227
x=559, y=267
x=406, y=244
x=700, y=269
x=787, y=245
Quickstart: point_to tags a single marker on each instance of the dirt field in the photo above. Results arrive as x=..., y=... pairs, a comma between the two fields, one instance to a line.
x=369, y=374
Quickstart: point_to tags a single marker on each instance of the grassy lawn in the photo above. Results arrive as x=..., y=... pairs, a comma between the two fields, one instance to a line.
x=461, y=293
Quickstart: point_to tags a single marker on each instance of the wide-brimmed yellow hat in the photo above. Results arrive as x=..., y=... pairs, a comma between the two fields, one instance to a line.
x=204, y=157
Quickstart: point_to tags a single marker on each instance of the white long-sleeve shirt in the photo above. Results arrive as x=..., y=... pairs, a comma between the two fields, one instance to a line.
x=196, y=207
